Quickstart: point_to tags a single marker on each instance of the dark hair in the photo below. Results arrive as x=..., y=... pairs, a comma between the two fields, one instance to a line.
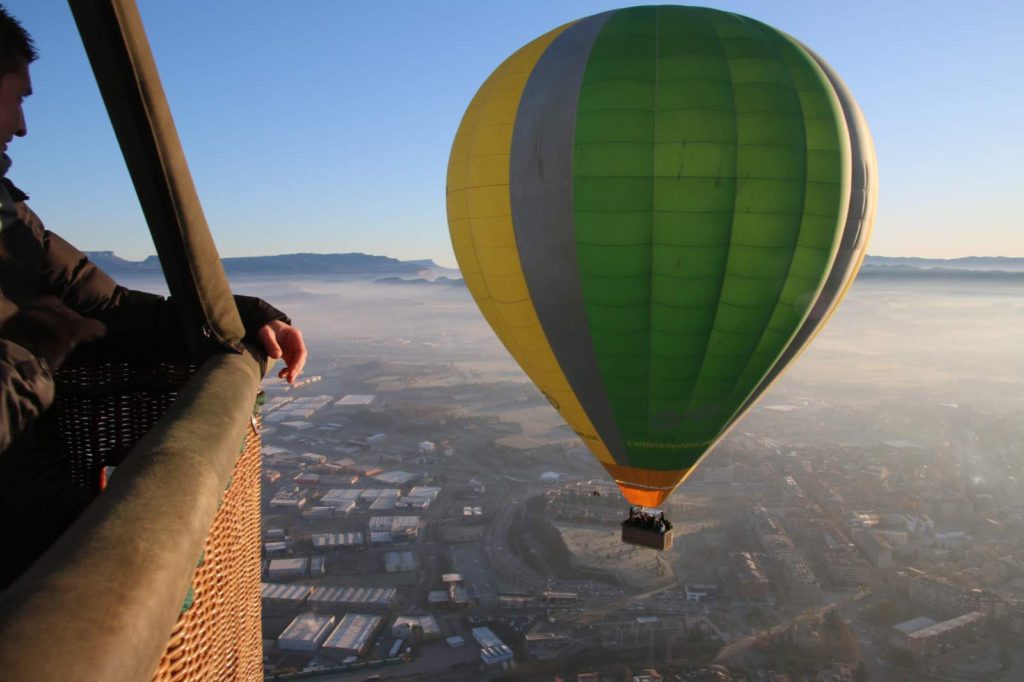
x=16, y=46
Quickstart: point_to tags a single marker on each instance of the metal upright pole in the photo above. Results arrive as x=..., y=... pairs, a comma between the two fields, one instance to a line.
x=126, y=73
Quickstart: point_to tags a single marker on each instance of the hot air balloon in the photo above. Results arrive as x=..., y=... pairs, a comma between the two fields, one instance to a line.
x=656, y=209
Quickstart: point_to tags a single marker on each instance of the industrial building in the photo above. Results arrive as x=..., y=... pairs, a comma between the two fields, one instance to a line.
x=381, y=597
x=485, y=637
x=414, y=503
x=938, y=638
x=288, y=500
x=300, y=409
x=419, y=498
x=424, y=491
x=384, y=504
x=496, y=657
x=901, y=631
x=543, y=646
x=284, y=595
x=416, y=628
x=285, y=569
x=333, y=540
x=355, y=400
x=306, y=632
x=493, y=652
x=371, y=495
x=336, y=496
x=395, y=477
x=353, y=635
x=398, y=528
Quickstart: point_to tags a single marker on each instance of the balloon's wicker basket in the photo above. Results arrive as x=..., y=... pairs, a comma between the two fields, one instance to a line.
x=634, y=533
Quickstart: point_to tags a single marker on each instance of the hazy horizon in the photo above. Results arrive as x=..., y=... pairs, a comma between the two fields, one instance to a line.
x=454, y=266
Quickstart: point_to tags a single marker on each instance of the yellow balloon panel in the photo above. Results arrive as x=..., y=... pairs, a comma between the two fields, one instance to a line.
x=483, y=236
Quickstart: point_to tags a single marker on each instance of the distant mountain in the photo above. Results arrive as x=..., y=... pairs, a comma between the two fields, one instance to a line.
x=115, y=265
x=318, y=264
x=419, y=281
x=975, y=263
x=904, y=272
x=976, y=268
x=421, y=272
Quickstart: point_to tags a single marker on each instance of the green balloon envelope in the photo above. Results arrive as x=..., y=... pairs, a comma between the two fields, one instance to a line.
x=691, y=193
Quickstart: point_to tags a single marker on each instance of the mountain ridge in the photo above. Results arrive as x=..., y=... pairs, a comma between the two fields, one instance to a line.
x=975, y=263
x=284, y=264
x=363, y=266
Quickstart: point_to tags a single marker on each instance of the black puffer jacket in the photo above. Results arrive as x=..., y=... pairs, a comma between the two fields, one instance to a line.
x=35, y=262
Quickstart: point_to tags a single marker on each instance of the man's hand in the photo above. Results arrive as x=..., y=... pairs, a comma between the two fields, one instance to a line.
x=281, y=340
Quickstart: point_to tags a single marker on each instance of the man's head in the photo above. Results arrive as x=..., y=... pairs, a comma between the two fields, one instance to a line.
x=16, y=52
x=16, y=46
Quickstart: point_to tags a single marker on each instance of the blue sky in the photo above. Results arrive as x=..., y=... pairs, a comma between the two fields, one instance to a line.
x=326, y=126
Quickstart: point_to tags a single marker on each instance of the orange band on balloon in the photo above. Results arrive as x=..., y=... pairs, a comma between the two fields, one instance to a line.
x=645, y=487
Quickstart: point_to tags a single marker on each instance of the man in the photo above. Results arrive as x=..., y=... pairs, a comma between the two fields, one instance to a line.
x=52, y=299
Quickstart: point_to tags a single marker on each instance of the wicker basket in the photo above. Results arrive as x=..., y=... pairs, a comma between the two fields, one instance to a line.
x=103, y=409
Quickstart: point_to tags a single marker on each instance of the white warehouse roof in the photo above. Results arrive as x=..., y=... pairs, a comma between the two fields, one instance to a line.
x=305, y=632
x=295, y=593
x=368, y=596
x=356, y=399
x=337, y=539
x=353, y=633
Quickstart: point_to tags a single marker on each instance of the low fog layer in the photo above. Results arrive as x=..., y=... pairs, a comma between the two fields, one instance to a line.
x=916, y=347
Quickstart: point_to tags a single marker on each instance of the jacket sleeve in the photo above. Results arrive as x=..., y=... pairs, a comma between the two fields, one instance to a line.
x=26, y=390
x=256, y=312
x=136, y=321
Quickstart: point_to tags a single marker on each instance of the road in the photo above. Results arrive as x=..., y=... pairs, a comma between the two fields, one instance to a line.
x=739, y=646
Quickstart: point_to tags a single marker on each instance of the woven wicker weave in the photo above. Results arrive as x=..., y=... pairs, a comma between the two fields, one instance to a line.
x=104, y=408
x=218, y=637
